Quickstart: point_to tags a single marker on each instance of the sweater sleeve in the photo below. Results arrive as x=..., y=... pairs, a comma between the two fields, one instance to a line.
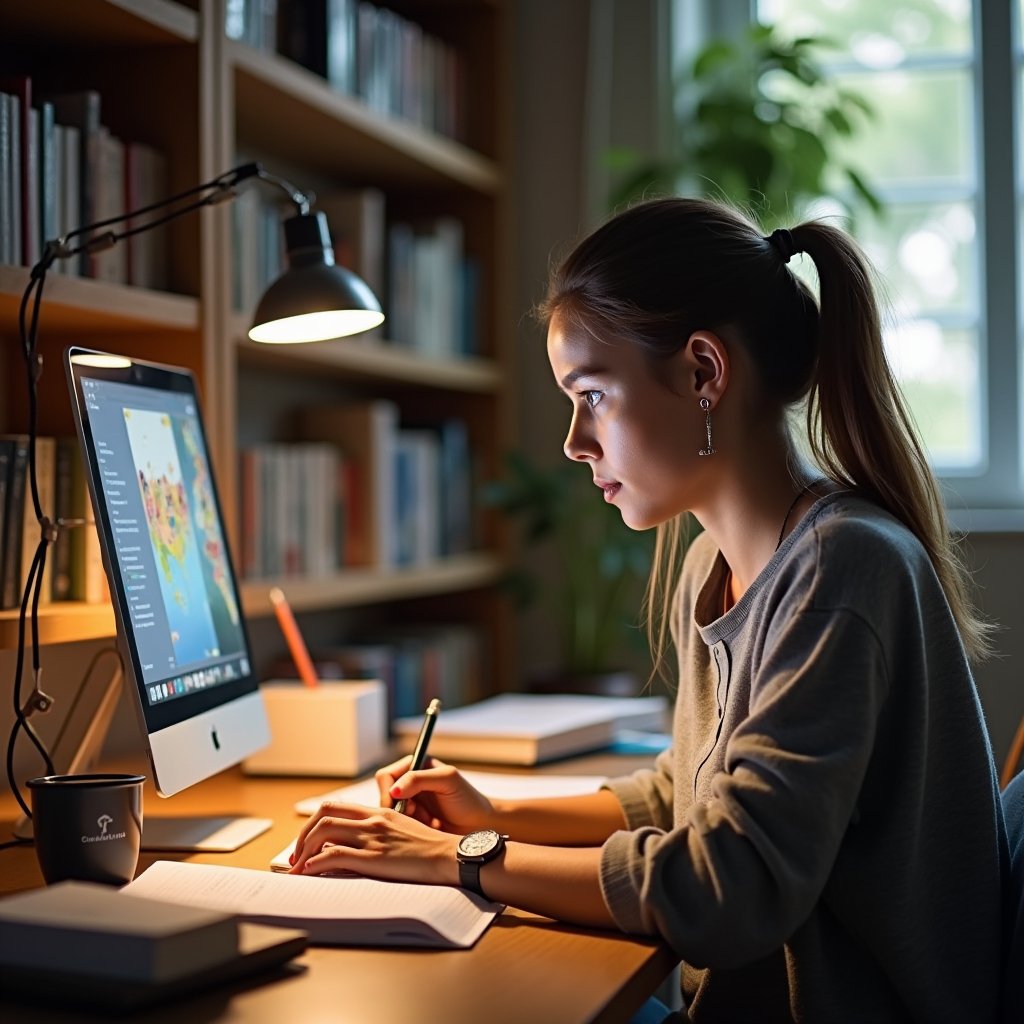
x=647, y=795
x=743, y=868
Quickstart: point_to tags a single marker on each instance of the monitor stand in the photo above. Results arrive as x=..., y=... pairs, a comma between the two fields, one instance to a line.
x=76, y=751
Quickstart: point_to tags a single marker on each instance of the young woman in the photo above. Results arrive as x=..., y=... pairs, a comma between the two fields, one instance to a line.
x=824, y=840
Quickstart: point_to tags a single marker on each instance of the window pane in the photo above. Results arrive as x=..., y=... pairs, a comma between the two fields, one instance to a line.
x=922, y=130
x=925, y=255
x=878, y=33
x=939, y=373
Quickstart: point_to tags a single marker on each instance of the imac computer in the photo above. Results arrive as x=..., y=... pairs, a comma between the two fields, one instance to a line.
x=180, y=625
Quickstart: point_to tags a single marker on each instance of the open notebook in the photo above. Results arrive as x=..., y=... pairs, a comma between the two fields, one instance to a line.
x=343, y=910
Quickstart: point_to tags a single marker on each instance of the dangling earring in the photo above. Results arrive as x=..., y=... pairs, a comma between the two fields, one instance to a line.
x=706, y=406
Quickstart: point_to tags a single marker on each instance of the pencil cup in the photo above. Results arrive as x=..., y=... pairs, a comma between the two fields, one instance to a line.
x=334, y=728
x=87, y=827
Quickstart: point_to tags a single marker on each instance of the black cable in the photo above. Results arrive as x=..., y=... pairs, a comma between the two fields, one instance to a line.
x=15, y=842
x=33, y=584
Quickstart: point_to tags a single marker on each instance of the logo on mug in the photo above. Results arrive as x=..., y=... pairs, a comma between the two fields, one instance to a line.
x=103, y=822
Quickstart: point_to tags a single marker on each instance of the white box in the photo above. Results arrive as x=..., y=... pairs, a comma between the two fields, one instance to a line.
x=337, y=728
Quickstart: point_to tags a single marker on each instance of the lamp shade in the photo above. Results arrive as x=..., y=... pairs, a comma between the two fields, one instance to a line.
x=314, y=299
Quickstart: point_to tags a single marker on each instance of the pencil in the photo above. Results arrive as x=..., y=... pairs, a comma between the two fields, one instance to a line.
x=292, y=636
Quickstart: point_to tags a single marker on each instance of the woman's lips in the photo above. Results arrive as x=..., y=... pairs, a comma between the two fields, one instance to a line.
x=610, y=488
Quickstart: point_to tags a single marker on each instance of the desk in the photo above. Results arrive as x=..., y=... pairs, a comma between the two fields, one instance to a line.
x=524, y=968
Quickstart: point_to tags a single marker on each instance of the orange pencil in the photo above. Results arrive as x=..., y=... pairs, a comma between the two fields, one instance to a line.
x=296, y=645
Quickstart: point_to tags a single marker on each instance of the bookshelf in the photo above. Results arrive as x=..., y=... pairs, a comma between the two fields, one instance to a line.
x=170, y=77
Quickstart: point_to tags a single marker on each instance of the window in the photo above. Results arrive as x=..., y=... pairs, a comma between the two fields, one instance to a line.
x=940, y=153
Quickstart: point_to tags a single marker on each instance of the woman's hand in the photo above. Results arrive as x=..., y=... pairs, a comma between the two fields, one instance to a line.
x=376, y=842
x=436, y=795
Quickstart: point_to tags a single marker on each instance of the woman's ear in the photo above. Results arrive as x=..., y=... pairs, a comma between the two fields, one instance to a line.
x=705, y=360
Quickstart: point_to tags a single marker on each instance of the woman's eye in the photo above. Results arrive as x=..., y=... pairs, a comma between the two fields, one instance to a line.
x=592, y=398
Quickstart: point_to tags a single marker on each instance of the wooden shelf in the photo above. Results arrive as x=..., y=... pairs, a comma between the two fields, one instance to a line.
x=370, y=586
x=282, y=107
x=79, y=306
x=61, y=623
x=375, y=360
x=71, y=621
x=103, y=22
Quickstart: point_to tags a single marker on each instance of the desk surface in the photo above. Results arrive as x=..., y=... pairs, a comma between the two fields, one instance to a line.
x=524, y=968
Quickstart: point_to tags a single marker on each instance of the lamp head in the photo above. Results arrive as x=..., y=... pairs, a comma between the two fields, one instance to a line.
x=314, y=299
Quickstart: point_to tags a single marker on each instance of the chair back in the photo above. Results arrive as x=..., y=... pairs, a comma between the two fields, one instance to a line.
x=1013, y=989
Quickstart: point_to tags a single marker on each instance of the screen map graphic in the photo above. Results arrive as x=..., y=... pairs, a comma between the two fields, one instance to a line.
x=175, y=486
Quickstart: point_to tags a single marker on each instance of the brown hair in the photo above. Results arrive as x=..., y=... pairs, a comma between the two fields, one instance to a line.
x=665, y=268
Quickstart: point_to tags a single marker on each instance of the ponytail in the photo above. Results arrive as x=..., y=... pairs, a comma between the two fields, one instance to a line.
x=860, y=431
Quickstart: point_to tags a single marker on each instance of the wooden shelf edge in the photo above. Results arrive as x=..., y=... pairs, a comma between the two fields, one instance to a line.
x=60, y=623
x=167, y=15
x=369, y=586
x=73, y=621
x=116, y=22
x=443, y=156
x=379, y=360
x=75, y=304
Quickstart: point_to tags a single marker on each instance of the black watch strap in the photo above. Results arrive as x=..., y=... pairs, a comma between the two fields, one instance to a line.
x=469, y=876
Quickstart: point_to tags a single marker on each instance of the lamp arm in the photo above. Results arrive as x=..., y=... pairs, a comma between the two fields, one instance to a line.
x=221, y=188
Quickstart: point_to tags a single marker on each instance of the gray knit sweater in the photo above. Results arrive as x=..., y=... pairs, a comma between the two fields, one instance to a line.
x=823, y=841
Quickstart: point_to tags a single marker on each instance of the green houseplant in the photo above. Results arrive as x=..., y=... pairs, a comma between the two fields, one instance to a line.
x=758, y=123
x=601, y=563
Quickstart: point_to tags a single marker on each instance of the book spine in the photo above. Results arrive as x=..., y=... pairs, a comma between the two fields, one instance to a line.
x=60, y=575
x=12, y=581
x=48, y=156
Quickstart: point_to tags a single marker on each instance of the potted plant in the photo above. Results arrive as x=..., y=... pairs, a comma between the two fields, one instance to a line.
x=758, y=123
x=601, y=566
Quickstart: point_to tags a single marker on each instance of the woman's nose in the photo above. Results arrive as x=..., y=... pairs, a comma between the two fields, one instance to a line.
x=579, y=445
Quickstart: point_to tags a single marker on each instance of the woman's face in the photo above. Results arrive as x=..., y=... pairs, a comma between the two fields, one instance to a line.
x=632, y=421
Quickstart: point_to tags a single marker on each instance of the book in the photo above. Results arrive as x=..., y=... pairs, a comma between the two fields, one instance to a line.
x=81, y=110
x=90, y=980
x=348, y=910
x=520, y=786
x=12, y=583
x=46, y=448
x=526, y=728
x=365, y=433
x=26, y=196
x=103, y=932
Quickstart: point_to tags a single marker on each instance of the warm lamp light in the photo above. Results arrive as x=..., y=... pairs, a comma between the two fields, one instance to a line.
x=314, y=299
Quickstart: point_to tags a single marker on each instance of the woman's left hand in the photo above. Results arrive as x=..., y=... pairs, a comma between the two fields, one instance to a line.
x=377, y=842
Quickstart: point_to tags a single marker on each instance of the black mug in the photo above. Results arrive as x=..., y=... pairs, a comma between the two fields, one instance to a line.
x=87, y=827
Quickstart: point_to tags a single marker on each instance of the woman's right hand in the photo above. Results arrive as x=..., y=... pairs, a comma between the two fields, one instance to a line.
x=437, y=795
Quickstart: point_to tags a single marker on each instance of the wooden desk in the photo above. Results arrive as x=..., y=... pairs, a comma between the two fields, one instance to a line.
x=524, y=969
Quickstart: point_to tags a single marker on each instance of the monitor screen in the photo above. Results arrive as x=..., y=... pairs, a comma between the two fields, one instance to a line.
x=172, y=584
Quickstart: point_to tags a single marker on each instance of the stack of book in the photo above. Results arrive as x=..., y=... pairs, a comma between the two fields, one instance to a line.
x=62, y=168
x=74, y=565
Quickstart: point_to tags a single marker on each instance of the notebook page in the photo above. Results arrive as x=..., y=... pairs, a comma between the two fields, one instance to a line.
x=453, y=913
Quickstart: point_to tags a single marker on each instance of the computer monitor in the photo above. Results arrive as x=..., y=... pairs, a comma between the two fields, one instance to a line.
x=176, y=602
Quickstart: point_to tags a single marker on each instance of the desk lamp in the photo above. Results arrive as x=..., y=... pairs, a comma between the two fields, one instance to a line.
x=313, y=300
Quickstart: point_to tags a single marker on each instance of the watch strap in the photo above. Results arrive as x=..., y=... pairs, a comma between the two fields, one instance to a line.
x=469, y=876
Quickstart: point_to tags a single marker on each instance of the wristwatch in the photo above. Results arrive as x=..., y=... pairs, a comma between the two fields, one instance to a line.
x=475, y=850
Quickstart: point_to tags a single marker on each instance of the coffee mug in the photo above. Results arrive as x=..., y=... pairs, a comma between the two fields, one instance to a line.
x=87, y=827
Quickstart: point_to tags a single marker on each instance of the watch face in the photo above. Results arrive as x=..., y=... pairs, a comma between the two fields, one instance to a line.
x=478, y=843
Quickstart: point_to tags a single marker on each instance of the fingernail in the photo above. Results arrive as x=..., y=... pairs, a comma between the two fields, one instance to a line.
x=396, y=790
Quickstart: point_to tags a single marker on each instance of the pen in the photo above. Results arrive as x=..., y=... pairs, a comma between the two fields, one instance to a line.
x=292, y=636
x=419, y=755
